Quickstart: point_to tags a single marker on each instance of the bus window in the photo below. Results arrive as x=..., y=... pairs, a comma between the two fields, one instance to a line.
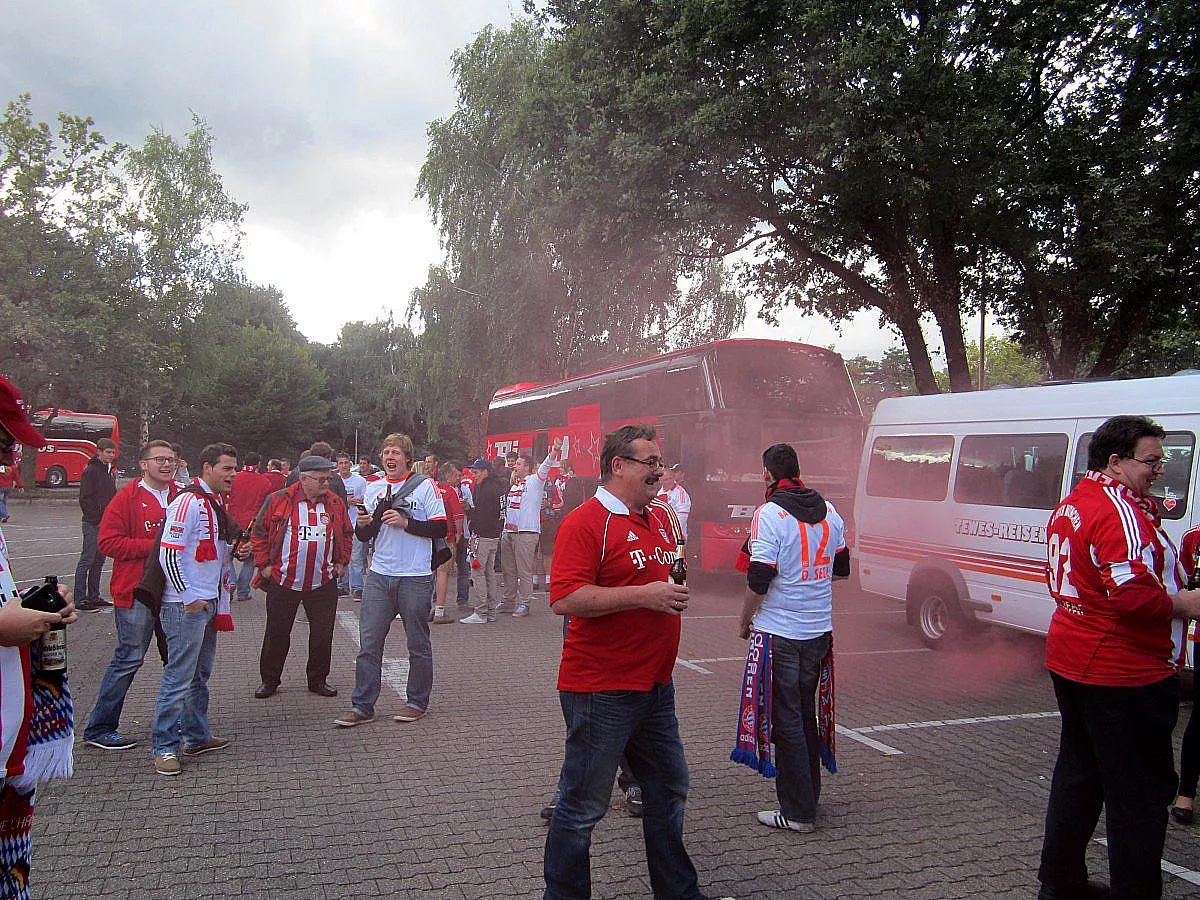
x=796, y=380
x=1171, y=488
x=910, y=467
x=1021, y=470
x=680, y=390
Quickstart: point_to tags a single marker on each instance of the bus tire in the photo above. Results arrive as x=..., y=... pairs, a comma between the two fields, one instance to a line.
x=56, y=477
x=935, y=611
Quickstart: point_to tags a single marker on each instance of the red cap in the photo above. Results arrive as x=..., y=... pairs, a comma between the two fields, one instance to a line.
x=12, y=416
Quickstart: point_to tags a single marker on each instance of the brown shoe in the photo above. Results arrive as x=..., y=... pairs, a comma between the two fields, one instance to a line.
x=409, y=714
x=207, y=747
x=352, y=718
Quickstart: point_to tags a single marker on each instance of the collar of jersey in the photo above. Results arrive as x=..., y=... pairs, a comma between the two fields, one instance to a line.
x=388, y=478
x=611, y=502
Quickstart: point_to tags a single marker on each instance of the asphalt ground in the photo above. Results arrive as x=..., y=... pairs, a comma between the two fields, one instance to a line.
x=944, y=762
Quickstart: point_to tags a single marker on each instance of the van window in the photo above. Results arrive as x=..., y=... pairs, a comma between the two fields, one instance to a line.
x=1171, y=487
x=1021, y=470
x=912, y=467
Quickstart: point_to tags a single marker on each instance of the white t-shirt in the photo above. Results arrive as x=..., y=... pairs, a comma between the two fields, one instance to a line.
x=398, y=553
x=524, y=510
x=799, y=603
x=188, y=525
x=356, y=488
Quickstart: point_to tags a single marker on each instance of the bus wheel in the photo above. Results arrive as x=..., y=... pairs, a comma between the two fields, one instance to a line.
x=56, y=477
x=933, y=608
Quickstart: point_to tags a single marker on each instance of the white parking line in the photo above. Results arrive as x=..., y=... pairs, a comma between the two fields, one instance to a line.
x=395, y=671
x=1169, y=867
x=742, y=659
x=691, y=664
x=969, y=720
x=853, y=734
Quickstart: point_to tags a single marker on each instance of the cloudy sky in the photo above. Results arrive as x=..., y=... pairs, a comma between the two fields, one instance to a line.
x=318, y=110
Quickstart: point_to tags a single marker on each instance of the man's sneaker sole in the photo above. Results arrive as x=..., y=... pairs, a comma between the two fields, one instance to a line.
x=410, y=714
x=208, y=747
x=105, y=744
x=773, y=819
x=167, y=764
x=520, y=612
x=352, y=721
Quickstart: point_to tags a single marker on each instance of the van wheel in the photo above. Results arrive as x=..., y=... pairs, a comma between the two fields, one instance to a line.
x=56, y=477
x=933, y=608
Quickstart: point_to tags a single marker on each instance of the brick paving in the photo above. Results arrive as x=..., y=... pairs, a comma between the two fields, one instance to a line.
x=448, y=806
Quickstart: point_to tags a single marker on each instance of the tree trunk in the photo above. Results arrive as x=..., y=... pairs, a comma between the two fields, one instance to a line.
x=918, y=353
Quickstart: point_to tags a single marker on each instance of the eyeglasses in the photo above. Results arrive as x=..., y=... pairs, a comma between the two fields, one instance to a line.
x=654, y=462
x=1156, y=465
x=159, y=460
x=322, y=480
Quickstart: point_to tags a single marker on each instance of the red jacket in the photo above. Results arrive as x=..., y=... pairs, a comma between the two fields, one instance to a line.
x=454, y=511
x=246, y=495
x=1189, y=551
x=276, y=479
x=266, y=538
x=10, y=476
x=1112, y=572
x=128, y=532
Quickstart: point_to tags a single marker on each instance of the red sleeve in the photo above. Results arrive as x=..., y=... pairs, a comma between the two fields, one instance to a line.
x=116, y=527
x=1188, y=550
x=260, y=547
x=346, y=546
x=1133, y=589
x=577, y=556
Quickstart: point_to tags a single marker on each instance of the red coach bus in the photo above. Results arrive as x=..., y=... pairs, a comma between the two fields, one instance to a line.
x=71, y=438
x=717, y=407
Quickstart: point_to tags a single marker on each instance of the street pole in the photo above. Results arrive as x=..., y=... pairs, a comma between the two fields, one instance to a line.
x=982, y=335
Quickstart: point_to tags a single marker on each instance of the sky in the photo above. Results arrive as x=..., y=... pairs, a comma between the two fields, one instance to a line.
x=319, y=113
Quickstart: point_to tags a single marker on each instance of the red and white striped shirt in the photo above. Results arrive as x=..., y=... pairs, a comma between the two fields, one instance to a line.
x=307, y=553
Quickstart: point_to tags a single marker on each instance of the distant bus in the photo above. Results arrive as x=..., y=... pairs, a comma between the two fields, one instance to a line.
x=71, y=438
x=717, y=407
x=956, y=491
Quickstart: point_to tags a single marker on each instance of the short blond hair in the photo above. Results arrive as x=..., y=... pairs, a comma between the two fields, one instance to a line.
x=402, y=441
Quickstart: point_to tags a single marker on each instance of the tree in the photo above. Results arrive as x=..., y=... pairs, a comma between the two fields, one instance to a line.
x=909, y=159
x=874, y=380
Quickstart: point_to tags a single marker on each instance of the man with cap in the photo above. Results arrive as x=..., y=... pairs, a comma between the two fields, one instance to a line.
x=35, y=722
x=302, y=544
x=485, y=525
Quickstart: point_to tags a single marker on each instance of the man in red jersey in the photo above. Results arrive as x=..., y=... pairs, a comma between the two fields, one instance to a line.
x=250, y=489
x=610, y=574
x=129, y=534
x=1112, y=651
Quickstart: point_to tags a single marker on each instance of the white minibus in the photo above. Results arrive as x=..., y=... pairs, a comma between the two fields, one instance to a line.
x=955, y=492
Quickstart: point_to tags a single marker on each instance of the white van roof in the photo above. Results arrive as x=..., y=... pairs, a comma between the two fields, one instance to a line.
x=1173, y=394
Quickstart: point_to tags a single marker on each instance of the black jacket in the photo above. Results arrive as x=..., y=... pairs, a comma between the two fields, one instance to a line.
x=96, y=487
x=485, y=519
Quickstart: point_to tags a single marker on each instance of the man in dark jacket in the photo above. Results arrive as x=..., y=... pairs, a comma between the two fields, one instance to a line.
x=485, y=525
x=96, y=489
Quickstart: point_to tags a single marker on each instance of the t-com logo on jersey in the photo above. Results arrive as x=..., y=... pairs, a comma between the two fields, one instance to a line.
x=658, y=554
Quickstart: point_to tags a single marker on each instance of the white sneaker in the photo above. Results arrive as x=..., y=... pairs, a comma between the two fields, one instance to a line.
x=522, y=611
x=473, y=619
x=775, y=819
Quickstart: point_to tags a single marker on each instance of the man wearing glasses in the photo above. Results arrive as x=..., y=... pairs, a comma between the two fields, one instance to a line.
x=1112, y=650
x=301, y=545
x=129, y=534
x=523, y=528
x=610, y=574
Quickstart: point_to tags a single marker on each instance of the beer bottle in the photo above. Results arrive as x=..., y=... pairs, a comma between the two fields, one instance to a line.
x=45, y=598
x=679, y=567
x=1194, y=578
x=243, y=538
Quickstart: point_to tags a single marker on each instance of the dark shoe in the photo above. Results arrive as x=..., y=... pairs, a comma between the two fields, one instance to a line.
x=353, y=718
x=633, y=801
x=408, y=714
x=323, y=689
x=265, y=690
x=546, y=813
x=1182, y=815
x=90, y=605
x=1090, y=890
x=242, y=598
x=111, y=741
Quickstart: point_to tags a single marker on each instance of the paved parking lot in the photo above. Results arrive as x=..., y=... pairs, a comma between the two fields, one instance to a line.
x=944, y=763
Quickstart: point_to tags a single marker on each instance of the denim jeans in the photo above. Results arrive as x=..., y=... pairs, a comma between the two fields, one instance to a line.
x=464, y=573
x=244, y=576
x=181, y=714
x=4, y=492
x=1114, y=753
x=135, y=627
x=352, y=578
x=601, y=727
x=795, y=671
x=385, y=597
x=91, y=565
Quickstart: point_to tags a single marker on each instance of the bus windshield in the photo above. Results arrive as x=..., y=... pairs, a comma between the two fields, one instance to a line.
x=786, y=379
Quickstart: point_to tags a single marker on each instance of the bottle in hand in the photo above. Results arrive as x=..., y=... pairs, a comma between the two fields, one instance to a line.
x=679, y=567
x=45, y=598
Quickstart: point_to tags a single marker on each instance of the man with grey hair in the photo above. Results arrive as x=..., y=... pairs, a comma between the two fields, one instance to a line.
x=611, y=575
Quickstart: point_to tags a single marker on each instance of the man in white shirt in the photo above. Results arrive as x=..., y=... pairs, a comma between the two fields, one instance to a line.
x=523, y=528
x=673, y=492
x=797, y=544
x=196, y=554
x=404, y=514
x=356, y=487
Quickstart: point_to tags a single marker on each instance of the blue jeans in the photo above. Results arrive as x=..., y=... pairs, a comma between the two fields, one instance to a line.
x=385, y=597
x=244, y=576
x=601, y=728
x=91, y=565
x=352, y=579
x=181, y=714
x=464, y=573
x=4, y=492
x=795, y=671
x=135, y=627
